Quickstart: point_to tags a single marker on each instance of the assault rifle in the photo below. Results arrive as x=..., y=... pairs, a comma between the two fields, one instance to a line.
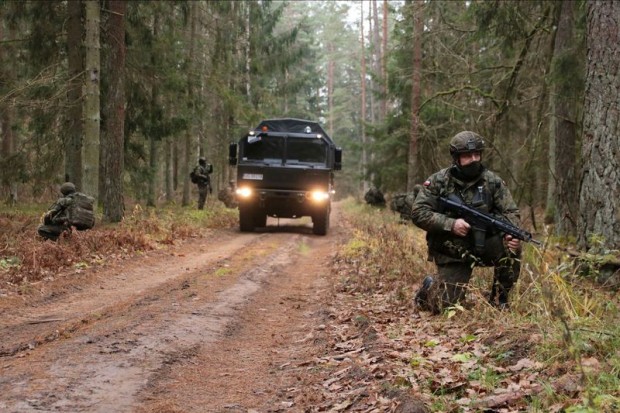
x=481, y=222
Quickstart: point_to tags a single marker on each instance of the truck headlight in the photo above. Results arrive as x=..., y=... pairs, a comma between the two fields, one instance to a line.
x=319, y=196
x=244, y=192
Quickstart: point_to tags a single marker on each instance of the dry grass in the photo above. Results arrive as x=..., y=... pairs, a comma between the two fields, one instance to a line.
x=560, y=317
x=25, y=257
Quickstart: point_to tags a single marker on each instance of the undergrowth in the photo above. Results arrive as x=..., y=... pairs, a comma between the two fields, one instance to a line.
x=26, y=257
x=559, y=317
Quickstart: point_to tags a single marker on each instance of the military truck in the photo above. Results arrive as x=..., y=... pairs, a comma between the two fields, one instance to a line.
x=285, y=169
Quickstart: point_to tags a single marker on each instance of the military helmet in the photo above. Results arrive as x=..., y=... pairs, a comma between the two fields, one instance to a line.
x=466, y=142
x=67, y=188
x=202, y=160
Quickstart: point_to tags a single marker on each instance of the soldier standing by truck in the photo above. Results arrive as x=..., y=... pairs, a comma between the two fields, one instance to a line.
x=201, y=177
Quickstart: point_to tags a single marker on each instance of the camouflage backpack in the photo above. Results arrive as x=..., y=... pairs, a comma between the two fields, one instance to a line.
x=81, y=213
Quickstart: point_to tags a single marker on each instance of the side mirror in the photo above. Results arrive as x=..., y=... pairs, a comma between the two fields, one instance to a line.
x=232, y=154
x=338, y=159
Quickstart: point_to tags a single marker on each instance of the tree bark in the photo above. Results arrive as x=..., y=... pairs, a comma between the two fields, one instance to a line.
x=564, y=126
x=378, y=59
x=331, y=65
x=73, y=151
x=151, y=197
x=412, y=163
x=92, y=115
x=384, y=73
x=169, y=171
x=113, y=204
x=7, y=148
x=187, y=164
x=364, y=166
x=599, y=198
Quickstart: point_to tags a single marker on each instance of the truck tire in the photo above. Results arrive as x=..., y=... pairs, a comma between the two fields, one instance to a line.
x=320, y=222
x=260, y=218
x=246, y=218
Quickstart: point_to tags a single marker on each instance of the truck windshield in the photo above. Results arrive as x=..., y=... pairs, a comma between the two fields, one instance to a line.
x=306, y=150
x=271, y=148
x=298, y=150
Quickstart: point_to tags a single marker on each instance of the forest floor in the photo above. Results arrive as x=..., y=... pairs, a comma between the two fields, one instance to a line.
x=254, y=322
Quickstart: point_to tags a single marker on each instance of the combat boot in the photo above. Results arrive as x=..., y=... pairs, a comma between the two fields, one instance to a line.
x=499, y=297
x=421, y=297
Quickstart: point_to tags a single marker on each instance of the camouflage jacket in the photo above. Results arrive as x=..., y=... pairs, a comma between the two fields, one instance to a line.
x=202, y=172
x=57, y=213
x=488, y=193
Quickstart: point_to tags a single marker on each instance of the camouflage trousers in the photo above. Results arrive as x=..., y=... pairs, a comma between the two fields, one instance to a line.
x=51, y=231
x=450, y=285
x=203, y=190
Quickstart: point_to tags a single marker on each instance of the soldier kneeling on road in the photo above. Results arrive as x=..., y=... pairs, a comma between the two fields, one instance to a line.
x=72, y=210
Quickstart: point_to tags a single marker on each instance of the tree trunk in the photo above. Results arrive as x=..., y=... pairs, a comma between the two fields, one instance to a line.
x=190, y=99
x=151, y=197
x=92, y=116
x=564, y=122
x=330, y=88
x=412, y=164
x=168, y=171
x=73, y=151
x=384, y=73
x=7, y=148
x=599, y=198
x=378, y=59
x=113, y=205
x=365, y=185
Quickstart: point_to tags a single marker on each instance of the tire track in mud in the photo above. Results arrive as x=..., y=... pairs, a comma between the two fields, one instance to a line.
x=40, y=322
x=101, y=366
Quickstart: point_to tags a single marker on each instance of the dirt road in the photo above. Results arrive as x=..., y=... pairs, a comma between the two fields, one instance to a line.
x=226, y=323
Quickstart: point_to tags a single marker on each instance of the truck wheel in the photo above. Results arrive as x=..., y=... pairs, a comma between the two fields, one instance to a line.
x=260, y=219
x=320, y=222
x=246, y=219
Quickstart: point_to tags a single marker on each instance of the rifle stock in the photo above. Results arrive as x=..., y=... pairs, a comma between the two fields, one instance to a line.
x=480, y=219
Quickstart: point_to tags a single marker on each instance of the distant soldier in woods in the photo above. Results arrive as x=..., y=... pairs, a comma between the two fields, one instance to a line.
x=227, y=195
x=201, y=177
x=374, y=197
x=451, y=240
x=403, y=203
x=72, y=210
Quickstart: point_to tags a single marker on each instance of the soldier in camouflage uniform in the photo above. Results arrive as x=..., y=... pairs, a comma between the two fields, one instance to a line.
x=56, y=219
x=202, y=178
x=403, y=202
x=374, y=197
x=451, y=239
x=227, y=195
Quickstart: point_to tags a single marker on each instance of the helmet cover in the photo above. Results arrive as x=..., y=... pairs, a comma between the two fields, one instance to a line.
x=466, y=142
x=67, y=188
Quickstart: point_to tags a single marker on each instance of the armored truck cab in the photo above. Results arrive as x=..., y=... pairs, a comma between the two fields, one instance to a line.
x=285, y=168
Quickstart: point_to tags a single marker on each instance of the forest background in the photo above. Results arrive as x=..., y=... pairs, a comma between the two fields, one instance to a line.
x=122, y=97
